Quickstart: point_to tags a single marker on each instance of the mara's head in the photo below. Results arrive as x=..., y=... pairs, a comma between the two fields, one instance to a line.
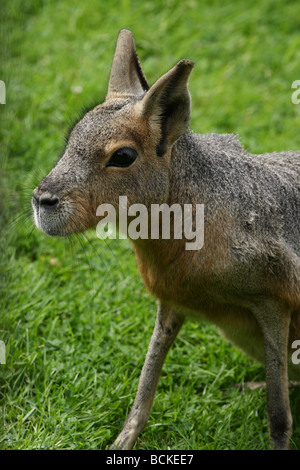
x=122, y=147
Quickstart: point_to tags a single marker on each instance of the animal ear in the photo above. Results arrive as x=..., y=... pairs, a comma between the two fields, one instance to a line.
x=167, y=104
x=126, y=76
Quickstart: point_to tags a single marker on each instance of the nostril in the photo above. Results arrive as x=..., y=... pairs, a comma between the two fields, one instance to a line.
x=35, y=197
x=47, y=201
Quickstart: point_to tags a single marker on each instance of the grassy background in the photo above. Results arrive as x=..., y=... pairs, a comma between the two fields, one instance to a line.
x=76, y=319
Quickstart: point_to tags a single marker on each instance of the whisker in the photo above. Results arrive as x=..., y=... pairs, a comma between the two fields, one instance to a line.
x=107, y=245
x=80, y=238
x=84, y=212
x=21, y=222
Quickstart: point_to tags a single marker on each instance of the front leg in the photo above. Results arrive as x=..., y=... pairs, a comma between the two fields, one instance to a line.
x=168, y=324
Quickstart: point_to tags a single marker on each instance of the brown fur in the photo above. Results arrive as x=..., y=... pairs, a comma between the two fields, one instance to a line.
x=246, y=277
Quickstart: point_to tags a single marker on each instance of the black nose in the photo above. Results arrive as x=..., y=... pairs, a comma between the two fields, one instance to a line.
x=48, y=202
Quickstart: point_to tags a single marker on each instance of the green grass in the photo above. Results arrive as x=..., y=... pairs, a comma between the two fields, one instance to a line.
x=77, y=320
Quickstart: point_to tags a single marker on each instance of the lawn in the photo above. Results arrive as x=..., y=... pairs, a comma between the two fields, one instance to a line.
x=75, y=317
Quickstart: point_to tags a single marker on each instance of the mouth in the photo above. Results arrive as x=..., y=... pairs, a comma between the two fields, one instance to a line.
x=60, y=217
x=48, y=217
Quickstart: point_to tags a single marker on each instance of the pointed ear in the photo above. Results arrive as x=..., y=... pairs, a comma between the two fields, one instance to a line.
x=167, y=104
x=126, y=77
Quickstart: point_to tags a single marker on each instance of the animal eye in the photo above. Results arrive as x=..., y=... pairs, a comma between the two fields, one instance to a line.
x=123, y=157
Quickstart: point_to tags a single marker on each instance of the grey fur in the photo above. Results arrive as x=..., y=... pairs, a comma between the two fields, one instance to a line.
x=246, y=279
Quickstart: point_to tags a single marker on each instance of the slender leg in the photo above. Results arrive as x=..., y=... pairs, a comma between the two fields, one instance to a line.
x=168, y=324
x=274, y=321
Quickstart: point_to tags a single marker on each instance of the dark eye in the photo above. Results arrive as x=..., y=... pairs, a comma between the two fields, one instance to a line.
x=123, y=157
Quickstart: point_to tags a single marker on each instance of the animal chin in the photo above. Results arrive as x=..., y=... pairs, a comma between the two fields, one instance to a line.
x=51, y=224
